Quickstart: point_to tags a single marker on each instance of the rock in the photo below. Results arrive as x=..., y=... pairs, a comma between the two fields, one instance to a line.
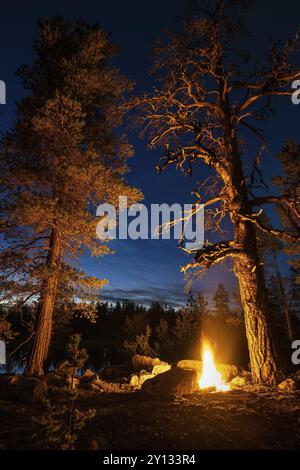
x=176, y=381
x=244, y=378
x=190, y=364
x=227, y=371
x=145, y=362
x=239, y=381
x=160, y=369
x=144, y=377
x=246, y=375
x=288, y=385
x=88, y=373
x=136, y=380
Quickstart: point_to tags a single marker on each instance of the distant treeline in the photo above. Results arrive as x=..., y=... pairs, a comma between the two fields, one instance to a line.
x=169, y=333
x=114, y=331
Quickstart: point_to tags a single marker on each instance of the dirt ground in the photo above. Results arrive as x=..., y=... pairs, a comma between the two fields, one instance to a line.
x=253, y=418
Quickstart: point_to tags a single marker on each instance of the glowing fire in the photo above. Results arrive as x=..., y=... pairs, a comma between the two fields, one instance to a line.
x=210, y=377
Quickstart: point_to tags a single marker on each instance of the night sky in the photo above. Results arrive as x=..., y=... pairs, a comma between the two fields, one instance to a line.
x=145, y=270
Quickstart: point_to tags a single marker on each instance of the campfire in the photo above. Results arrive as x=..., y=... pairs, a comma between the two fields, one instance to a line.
x=210, y=377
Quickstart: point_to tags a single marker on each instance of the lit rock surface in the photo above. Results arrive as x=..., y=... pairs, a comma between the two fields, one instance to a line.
x=176, y=381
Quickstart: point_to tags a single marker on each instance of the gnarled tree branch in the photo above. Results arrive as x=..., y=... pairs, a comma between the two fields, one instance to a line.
x=212, y=254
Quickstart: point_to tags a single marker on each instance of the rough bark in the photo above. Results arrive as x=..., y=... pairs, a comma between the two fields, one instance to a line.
x=263, y=357
x=248, y=269
x=43, y=332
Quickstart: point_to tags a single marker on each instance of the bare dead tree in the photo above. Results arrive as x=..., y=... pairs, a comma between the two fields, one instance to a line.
x=204, y=109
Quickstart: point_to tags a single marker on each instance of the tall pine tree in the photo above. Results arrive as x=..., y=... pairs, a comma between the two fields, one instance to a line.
x=60, y=160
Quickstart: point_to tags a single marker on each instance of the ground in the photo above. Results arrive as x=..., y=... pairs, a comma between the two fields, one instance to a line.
x=255, y=418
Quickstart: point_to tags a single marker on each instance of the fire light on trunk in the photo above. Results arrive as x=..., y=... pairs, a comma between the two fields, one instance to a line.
x=210, y=377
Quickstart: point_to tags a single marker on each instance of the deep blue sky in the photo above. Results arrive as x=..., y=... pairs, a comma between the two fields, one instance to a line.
x=147, y=269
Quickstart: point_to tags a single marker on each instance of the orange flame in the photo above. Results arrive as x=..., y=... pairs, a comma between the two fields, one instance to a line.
x=210, y=377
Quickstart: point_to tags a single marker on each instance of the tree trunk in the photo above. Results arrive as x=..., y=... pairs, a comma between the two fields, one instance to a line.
x=247, y=267
x=43, y=332
x=263, y=358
